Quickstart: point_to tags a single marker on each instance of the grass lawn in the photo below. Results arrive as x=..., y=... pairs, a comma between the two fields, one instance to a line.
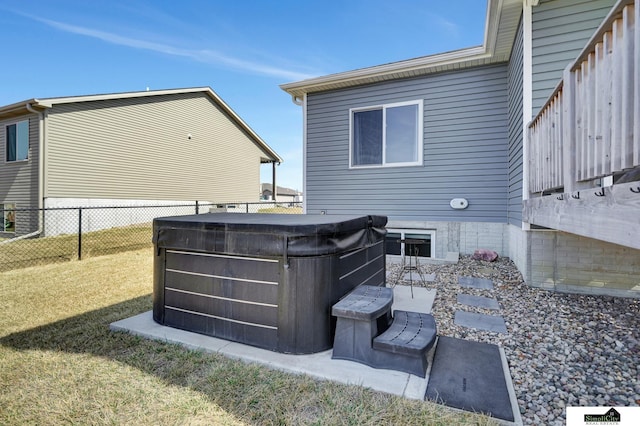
x=285, y=210
x=60, y=364
x=63, y=248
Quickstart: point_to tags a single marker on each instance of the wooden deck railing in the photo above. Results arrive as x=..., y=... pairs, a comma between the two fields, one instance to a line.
x=590, y=126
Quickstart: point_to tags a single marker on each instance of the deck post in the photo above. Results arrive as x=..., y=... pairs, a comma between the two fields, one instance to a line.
x=568, y=131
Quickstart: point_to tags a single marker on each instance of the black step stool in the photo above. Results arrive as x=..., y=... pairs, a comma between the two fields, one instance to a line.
x=365, y=335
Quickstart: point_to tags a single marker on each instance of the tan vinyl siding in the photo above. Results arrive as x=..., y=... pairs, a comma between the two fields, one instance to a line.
x=19, y=180
x=139, y=149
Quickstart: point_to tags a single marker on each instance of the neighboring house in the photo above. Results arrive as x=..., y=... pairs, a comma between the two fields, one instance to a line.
x=283, y=195
x=165, y=146
x=460, y=164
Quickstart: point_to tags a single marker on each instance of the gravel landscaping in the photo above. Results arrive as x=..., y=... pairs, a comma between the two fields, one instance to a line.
x=563, y=349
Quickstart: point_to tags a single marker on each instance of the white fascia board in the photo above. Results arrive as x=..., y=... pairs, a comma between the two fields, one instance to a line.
x=49, y=102
x=423, y=62
x=18, y=107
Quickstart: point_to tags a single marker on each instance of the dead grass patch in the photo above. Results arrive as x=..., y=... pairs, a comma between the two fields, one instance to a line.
x=64, y=248
x=60, y=363
x=285, y=210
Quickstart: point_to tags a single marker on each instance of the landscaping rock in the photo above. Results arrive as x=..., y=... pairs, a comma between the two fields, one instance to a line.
x=485, y=254
x=555, y=345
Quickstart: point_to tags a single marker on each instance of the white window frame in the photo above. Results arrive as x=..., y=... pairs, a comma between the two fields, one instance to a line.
x=6, y=142
x=4, y=217
x=384, y=107
x=402, y=232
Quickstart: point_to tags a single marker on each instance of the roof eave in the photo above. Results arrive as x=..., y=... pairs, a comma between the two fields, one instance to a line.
x=380, y=71
x=49, y=102
x=20, y=108
x=268, y=150
x=423, y=65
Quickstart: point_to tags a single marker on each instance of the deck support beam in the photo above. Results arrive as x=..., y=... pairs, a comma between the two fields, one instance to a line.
x=611, y=216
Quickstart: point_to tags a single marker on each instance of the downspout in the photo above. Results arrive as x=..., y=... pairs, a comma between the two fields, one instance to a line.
x=303, y=103
x=273, y=182
x=527, y=94
x=41, y=153
x=41, y=133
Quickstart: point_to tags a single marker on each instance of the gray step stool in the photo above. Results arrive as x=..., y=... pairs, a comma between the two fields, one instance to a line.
x=365, y=335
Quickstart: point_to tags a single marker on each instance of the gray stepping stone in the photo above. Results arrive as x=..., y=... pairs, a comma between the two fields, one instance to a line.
x=411, y=275
x=486, y=271
x=418, y=277
x=429, y=277
x=493, y=323
x=473, y=282
x=478, y=301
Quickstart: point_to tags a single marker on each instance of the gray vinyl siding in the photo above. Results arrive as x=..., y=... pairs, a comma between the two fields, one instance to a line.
x=561, y=29
x=19, y=180
x=138, y=148
x=465, y=150
x=515, y=130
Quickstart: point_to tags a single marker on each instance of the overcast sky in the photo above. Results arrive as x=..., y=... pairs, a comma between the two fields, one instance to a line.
x=243, y=50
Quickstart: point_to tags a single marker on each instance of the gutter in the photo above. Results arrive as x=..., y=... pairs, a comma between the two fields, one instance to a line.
x=381, y=71
x=41, y=134
x=500, y=27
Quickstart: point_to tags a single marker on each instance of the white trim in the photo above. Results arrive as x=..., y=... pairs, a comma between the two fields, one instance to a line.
x=403, y=231
x=431, y=61
x=226, y=299
x=304, y=154
x=6, y=141
x=491, y=26
x=363, y=266
x=499, y=31
x=202, y=314
x=222, y=256
x=527, y=97
x=384, y=107
x=50, y=102
x=15, y=206
x=222, y=277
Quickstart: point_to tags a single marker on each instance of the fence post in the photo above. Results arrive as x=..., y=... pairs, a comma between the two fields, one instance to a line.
x=80, y=233
x=197, y=207
x=247, y=207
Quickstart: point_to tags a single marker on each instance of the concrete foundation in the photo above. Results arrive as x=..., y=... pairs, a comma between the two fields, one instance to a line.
x=549, y=259
x=565, y=262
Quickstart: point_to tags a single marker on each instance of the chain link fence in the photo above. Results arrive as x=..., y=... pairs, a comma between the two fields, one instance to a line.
x=32, y=237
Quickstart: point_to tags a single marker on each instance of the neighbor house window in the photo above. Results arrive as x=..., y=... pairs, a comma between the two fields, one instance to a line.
x=8, y=217
x=17, y=137
x=409, y=242
x=386, y=135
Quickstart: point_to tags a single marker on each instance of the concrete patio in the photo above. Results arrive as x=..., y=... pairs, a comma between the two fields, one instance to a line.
x=318, y=365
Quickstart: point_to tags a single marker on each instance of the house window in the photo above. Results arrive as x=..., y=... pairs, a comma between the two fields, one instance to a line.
x=17, y=138
x=386, y=135
x=422, y=245
x=8, y=217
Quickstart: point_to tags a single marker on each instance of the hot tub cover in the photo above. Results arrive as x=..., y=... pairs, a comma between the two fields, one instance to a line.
x=268, y=234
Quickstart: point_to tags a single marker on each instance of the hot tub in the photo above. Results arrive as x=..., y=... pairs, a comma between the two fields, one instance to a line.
x=266, y=280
